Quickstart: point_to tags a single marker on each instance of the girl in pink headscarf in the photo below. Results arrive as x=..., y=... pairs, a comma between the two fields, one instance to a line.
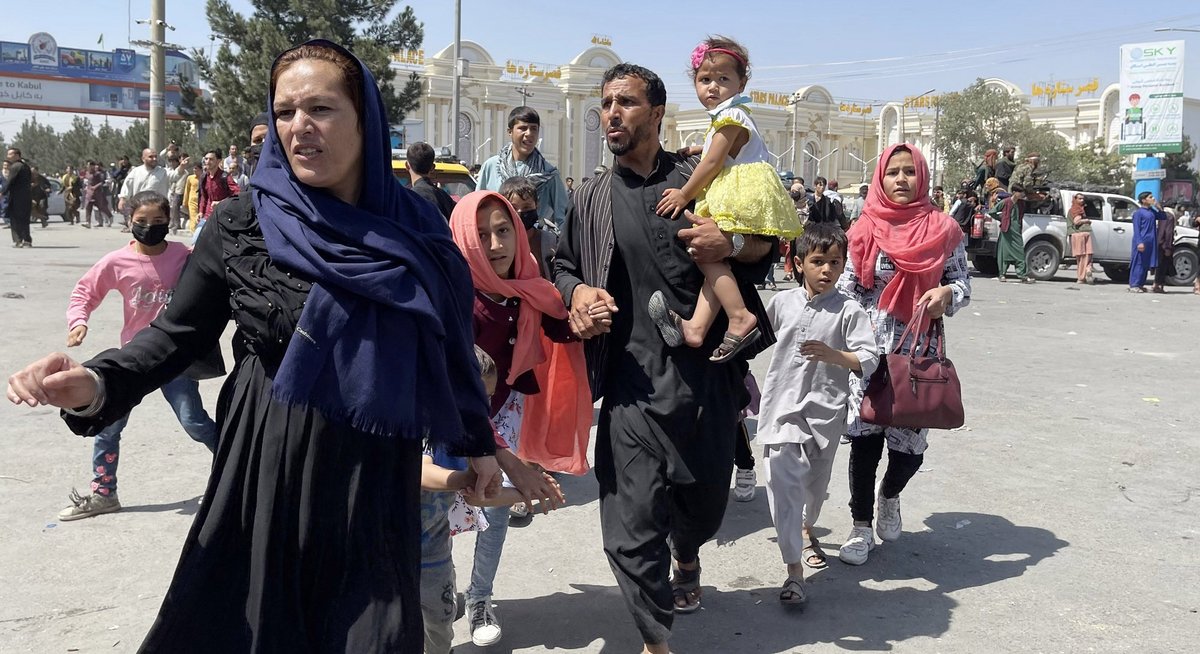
x=514, y=307
x=904, y=253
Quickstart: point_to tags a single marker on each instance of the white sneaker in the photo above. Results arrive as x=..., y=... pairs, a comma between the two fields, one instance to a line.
x=887, y=518
x=485, y=629
x=743, y=489
x=858, y=545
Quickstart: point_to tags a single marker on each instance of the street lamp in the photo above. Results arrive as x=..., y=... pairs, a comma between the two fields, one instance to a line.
x=482, y=146
x=1174, y=29
x=795, y=104
x=820, y=159
x=864, y=163
x=780, y=157
x=903, y=132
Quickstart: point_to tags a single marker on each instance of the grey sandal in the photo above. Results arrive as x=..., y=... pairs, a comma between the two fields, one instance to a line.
x=667, y=321
x=731, y=345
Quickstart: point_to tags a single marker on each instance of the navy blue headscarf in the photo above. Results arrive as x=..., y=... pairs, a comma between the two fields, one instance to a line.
x=385, y=340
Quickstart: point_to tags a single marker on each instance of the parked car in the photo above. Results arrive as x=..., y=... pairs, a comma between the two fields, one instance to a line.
x=1048, y=245
x=452, y=176
x=56, y=204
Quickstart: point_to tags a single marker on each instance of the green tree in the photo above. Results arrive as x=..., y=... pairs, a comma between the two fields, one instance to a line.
x=972, y=120
x=1179, y=165
x=80, y=143
x=239, y=73
x=1056, y=160
x=40, y=145
x=1093, y=164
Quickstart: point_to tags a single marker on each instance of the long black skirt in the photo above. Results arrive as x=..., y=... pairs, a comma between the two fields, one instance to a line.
x=308, y=539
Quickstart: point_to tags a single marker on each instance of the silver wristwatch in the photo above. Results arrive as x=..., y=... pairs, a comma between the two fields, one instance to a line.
x=739, y=242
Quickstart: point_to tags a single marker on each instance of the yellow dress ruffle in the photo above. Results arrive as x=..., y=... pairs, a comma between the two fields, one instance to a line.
x=749, y=199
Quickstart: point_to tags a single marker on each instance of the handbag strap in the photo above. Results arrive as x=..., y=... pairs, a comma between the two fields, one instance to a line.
x=917, y=318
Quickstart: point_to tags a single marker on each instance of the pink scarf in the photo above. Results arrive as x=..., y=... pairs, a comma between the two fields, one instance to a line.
x=917, y=237
x=537, y=295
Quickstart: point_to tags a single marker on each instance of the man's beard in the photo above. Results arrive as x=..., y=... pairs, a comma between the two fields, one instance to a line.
x=635, y=138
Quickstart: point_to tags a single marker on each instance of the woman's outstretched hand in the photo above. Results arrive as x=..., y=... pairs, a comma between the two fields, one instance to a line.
x=54, y=380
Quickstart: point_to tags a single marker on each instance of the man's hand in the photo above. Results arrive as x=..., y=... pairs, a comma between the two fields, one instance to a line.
x=487, y=476
x=54, y=380
x=938, y=299
x=76, y=336
x=673, y=201
x=1141, y=247
x=706, y=242
x=591, y=311
x=530, y=482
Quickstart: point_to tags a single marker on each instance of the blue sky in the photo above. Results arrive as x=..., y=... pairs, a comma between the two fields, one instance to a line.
x=875, y=51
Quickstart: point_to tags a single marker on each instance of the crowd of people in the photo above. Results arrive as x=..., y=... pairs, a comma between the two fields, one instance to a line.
x=342, y=472
x=93, y=193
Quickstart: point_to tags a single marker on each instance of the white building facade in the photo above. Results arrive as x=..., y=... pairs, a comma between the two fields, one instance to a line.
x=809, y=131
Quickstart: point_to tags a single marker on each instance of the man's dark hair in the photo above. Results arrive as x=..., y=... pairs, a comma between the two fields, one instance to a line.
x=420, y=158
x=1016, y=188
x=939, y=188
x=520, y=187
x=1143, y=195
x=217, y=154
x=970, y=194
x=819, y=237
x=523, y=114
x=820, y=181
x=656, y=91
x=17, y=150
x=571, y=179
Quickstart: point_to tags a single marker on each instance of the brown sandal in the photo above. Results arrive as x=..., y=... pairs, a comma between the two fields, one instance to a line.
x=732, y=344
x=792, y=593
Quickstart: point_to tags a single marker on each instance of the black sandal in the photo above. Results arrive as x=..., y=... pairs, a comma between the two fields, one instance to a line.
x=685, y=587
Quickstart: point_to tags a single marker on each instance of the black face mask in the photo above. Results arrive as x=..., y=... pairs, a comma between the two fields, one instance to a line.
x=529, y=218
x=150, y=235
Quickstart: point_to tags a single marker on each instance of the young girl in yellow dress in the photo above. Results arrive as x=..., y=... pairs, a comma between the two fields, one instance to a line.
x=736, y=186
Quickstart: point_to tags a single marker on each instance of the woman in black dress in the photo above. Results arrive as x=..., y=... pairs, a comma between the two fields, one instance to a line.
x=353, y=312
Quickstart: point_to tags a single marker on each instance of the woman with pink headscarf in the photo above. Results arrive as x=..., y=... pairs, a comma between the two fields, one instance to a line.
x=903, y=253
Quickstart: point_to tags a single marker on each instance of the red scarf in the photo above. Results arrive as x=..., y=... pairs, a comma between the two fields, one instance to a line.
x=538, y=296
x=917, y=238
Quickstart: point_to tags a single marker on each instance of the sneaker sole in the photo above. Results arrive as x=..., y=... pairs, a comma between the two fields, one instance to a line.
x=484, y=642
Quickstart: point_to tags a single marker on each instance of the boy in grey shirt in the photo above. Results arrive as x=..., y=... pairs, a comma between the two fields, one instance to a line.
x=823, y=337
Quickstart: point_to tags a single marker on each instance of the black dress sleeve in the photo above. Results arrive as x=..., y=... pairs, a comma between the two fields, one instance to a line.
x=187, y=330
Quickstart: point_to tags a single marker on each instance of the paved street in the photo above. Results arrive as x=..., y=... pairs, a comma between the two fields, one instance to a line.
x=1063, y=518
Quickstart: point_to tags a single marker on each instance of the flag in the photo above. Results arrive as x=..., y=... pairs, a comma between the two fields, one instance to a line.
x=100, y=41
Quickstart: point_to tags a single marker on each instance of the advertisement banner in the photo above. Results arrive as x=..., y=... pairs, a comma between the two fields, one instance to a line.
x=82, y=97
x=1151, y=111
x=44, y=76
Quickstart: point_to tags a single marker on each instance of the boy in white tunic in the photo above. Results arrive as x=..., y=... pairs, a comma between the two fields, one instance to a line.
x=823, y=337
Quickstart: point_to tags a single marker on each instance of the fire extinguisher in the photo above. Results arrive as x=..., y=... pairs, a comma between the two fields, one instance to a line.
x=977, y=224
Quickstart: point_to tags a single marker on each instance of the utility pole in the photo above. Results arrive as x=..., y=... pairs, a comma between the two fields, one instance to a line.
x=158, y=69
x=795, y=101
x=455, y=103
x=525, y=94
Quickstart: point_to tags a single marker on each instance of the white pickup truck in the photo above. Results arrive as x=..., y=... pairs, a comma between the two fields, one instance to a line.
x=1048, y=245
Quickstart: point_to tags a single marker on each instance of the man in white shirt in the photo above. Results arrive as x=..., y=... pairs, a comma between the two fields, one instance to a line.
x=177, y=174
x=147, y=177
x=233, y=157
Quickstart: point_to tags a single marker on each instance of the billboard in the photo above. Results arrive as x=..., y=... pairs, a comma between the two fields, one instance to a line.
x=1151, y=110
x=43, y=76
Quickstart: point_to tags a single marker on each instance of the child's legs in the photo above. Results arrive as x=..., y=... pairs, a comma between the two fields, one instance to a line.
x=183, y=395
x=106, y=452
x=786, y=469
x=743, y=457
x=720, y=291
x=820, y=469
x=865, y=452
x=489, y=545
x=438, y=605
